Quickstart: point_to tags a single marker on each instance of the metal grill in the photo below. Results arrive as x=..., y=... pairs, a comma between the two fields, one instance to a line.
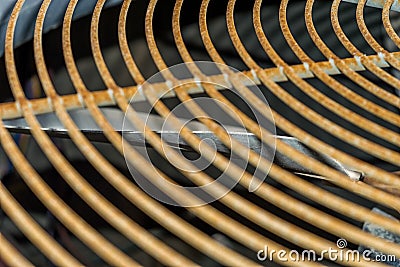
x=317, y=208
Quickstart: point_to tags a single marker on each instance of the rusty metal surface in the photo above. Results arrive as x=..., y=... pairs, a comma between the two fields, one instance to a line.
x=301, y=197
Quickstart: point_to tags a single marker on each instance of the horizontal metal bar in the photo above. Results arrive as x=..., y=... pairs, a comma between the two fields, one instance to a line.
x=11, y=110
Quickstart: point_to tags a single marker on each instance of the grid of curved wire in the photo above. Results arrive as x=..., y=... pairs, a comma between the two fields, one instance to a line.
x=379, y=186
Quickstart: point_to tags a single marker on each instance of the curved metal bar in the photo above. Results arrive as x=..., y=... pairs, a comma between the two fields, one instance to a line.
x=286, y=178
x=273, y=86
x=197, y=110
x=313, y=142
x=376, y=186
x=382, y=52
x=355, y=77
x=308, y=139
x=347, y=93
x=114, y=216
x=207, y=41
x=210, y=215
x=11, y=256
x=35, y=233
x=387, y=24
x=68, y=217
x=317, y=119
x=385, y=76
x=244, y=235
x=166, y=218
